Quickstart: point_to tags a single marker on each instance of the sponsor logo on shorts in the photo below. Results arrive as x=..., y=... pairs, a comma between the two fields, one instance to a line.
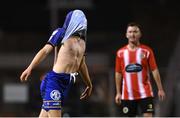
x=55, y=95
x=125, y=110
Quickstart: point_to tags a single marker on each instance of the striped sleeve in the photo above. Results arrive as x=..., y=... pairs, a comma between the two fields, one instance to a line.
x=152, y=61
x=118, y=63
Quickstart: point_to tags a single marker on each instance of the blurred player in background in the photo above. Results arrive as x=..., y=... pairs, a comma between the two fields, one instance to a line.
x=132, y=77
x=69, y=59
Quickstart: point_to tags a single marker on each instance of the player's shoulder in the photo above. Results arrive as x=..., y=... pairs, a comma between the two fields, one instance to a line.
x=121, y=50
x=145, y=47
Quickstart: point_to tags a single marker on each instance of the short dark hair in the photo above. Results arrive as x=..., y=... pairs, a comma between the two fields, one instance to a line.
x=134, y=24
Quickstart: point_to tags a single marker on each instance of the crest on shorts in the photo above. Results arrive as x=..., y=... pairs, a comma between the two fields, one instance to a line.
x=55, y=95
x=125, y=110
x=150, y=106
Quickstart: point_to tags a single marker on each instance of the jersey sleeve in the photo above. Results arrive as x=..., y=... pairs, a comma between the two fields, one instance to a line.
x=152, y=61
x=118, y=63
x=56, y=37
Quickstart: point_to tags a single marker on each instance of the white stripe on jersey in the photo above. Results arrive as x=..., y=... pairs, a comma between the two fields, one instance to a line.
x=128, y=76
x=139, y=74
x=54, y=32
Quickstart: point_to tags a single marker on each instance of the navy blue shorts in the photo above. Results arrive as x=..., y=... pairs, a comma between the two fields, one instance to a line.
x=129, y=108
x=54, y=88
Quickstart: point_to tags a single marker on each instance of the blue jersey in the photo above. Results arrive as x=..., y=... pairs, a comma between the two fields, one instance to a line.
x=75, y=25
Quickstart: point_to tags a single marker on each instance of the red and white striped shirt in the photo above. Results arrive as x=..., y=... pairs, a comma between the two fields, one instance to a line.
x=134, y=67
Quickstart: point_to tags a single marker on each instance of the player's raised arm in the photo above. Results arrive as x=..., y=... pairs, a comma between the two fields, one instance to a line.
x=40, y=56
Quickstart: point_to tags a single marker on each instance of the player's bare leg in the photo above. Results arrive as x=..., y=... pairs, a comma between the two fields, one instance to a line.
x=54, y=113
x=43, y=113
x=147, y=115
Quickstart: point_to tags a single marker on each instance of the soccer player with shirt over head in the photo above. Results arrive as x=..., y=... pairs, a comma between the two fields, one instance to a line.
x=70, y=59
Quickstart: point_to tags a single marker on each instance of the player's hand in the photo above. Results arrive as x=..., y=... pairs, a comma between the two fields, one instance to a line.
x=25, y=75
x=118, y=99
x=161, y=95
x=86, y=93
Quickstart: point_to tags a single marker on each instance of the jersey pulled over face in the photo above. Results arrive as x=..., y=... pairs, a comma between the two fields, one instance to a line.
x=133, y=34
x=75, y=25
x=72, y=35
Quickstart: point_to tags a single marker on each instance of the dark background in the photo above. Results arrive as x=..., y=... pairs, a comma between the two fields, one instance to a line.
x=26, y=25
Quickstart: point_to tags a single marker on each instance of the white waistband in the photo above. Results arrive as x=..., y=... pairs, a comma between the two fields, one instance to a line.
x=73, y=76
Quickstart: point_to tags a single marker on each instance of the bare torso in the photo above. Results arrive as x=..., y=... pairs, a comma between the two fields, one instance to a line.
x=70, y=55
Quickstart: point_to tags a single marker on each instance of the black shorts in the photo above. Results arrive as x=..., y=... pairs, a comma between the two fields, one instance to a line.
x=130, y=108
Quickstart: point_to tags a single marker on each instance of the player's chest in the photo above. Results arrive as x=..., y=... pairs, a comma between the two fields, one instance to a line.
x=134, y=57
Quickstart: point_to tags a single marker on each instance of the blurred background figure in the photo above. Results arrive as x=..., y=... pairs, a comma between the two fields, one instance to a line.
x=26, y=25
x=134, y=62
